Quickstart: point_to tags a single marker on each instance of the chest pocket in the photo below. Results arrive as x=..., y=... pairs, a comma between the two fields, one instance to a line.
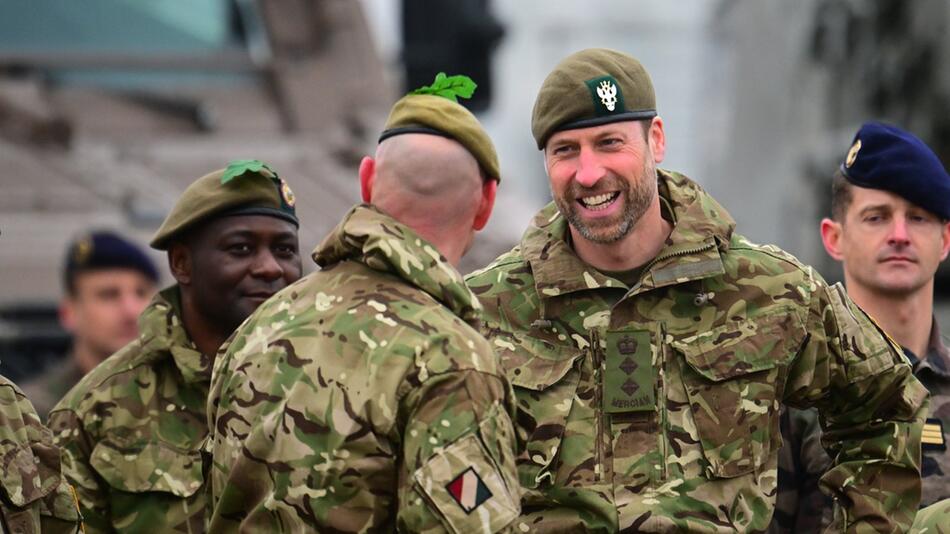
x=145, y=466
x=545, y=383
x=733, y=377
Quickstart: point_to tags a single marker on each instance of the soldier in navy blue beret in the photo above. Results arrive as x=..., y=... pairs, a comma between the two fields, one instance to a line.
x=889, y=229
x=107, y=281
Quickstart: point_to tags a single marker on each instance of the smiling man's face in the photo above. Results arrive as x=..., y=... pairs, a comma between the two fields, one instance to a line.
x=239, y=262
x=887, y=244
x=603, y=178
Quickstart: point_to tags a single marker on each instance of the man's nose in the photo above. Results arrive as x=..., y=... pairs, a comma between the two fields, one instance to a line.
x=266, y=266
x=899, y=234
x=589, y=169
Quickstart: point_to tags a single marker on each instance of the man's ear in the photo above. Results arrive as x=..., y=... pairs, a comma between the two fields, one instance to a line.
x=831, y=238
x=946, y=240
x=179, y=263
x=657, y=140
x=67, y=313
x=367, y=175
x=489, y=189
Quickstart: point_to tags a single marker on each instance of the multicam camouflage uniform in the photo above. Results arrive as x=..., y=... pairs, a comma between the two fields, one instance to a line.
x=361, y=399
x=132, y=430
x=655, y=408
x=800, y=507
x=34, y=497
x=934, y=519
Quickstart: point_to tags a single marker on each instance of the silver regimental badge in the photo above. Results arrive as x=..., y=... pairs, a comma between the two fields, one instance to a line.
x=607, y=92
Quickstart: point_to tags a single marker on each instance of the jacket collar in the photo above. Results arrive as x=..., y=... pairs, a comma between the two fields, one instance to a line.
x=161, y=327
x=381, y=243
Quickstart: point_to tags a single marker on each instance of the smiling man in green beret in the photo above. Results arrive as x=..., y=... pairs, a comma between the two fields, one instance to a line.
x=362, y=399
x=132, y=429
x=650, y=345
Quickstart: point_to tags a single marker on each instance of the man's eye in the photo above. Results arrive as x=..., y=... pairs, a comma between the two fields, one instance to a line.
x=562, y=150
x=241, y=248
x=286, y=250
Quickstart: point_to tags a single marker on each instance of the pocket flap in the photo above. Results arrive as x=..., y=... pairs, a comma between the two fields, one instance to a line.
x=148, y=466
x=29, y=473
x=535, y=364
x=742, y=347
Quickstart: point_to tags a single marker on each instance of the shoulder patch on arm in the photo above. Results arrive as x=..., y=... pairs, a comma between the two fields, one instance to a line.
x=465, y=487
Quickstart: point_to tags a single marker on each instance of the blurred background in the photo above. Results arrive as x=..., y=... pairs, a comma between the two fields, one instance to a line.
x=110, y=108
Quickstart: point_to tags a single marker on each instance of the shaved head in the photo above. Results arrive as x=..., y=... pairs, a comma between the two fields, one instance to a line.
x=433, y=185
x=428, y=179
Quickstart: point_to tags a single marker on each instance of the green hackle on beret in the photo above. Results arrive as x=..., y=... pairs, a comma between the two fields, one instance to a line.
x=435, y=110
x=589, y=88
x=244, y=187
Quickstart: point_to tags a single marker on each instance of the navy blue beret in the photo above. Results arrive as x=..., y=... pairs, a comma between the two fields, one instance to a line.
x=888, y=158
x=106, y=250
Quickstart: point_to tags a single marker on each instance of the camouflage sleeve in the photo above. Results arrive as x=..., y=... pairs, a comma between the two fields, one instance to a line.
x=294, y=452
x=459, y=451
x=800, y=506
x=70, y=435
x=934, y=519
x=872, y=411
x=34, y=497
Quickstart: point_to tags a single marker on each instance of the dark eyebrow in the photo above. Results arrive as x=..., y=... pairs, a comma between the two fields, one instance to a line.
x=875, y=207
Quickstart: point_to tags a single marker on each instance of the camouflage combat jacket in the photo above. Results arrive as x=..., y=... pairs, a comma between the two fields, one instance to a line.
x=132, y=430
x=34, y=497
x=655, y=407
x=362, y=399
x=801, y=507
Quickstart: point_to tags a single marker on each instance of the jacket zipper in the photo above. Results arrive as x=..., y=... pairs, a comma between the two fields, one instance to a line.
x=597, y=376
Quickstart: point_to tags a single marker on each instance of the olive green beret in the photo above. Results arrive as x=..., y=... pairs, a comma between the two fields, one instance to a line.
x=590, y=88
x=438, y=115
x=245, y=187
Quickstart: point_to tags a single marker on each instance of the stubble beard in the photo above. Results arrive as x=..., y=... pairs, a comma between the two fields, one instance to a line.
x=638, y=196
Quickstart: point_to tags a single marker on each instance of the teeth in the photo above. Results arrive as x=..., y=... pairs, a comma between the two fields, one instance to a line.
x=598, y=201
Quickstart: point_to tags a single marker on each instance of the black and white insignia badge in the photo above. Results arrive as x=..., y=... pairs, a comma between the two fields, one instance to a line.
x=607, y=96
x=468, y=490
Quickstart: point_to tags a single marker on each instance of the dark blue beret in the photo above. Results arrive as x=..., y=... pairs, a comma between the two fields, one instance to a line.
x=888, y=158
x=106, y=250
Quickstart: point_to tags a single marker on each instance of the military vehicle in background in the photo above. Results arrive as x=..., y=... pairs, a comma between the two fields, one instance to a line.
x=110, y=108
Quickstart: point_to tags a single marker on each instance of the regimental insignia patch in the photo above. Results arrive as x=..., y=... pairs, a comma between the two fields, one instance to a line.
x=468, y=490
x=287, y=194
x=606, y=94
x=853, y=154
x=933, y=438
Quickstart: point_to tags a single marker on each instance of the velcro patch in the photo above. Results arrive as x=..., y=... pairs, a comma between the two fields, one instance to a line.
x=465, y=478
x=468, y=490
x=933, y=438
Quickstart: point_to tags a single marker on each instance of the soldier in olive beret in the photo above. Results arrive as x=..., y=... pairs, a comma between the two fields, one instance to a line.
x=650, y=345
x=890, y=229
x=132, y=429
x=363, y=399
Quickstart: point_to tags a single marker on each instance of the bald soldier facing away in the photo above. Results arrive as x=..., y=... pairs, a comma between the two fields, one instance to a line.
x=650, y=345
x=362, y=399
x=133, y=428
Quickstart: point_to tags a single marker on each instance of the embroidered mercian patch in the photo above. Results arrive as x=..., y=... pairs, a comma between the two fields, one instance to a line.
x=468, y=490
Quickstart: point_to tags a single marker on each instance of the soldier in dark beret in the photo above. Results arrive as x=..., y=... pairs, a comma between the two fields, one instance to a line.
x=890, y=229
x=132, y=429
x=650, y=345
x=107, y=282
